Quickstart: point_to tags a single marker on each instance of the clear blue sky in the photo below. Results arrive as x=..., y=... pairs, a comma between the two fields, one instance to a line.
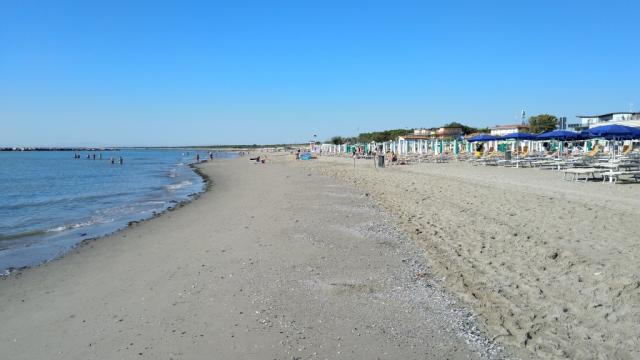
x=180, y=73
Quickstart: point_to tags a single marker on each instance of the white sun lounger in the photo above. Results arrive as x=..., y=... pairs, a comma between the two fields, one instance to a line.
x=614, y=176
x=578, y=174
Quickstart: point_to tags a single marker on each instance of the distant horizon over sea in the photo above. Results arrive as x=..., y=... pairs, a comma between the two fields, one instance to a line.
x=51, y=201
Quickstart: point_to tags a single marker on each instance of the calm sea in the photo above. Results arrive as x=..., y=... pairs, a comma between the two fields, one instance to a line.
x=49, y=201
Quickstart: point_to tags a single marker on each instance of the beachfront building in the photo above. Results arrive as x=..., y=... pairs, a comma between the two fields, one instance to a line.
x=439, y=133
x=621, y=118
x=501, y=130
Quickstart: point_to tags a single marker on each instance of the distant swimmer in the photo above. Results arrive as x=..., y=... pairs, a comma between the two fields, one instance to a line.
x=113, y=161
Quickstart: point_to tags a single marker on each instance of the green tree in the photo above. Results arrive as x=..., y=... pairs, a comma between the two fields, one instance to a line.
x=337, y=140
x=466, y=129
x=543, y=122
x=380, y=136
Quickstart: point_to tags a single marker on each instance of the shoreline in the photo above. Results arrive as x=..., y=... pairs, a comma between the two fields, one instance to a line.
x=206, y=186
x=243, y=280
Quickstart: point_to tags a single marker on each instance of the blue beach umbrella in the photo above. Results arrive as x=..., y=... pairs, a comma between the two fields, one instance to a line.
x=558, y=135
x=615, y=132
x=483, y=137
x=517, y=137
x=585, y=135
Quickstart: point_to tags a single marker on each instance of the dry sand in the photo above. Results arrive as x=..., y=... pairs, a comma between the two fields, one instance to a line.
x=271, y=263
x=551, y=267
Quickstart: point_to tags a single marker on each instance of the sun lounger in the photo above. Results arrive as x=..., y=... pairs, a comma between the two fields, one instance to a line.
x=614, y=176
x=578, y=174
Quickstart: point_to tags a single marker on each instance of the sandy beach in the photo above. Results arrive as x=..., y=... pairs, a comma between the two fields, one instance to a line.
x=273, y=262
x=550, y=267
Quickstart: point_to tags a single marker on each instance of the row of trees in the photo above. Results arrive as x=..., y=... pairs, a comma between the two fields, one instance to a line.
x=377, y=136
x=537, y=124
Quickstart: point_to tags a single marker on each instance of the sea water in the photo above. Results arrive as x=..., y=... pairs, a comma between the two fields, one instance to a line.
x=50, y=201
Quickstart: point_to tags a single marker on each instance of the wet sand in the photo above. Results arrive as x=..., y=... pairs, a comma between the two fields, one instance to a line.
x=273, y=262
x=550, y=267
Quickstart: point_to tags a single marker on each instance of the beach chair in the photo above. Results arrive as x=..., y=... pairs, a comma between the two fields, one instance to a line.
x=593, y=151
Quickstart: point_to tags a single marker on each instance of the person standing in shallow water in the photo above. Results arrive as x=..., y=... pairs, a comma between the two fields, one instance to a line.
x=121, y=160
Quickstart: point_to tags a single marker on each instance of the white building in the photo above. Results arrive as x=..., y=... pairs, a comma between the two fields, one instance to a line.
x=622, y=118
x=501, y=130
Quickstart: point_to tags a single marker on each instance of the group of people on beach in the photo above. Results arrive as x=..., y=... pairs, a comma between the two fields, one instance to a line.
x=210, y=155
x=112, y=159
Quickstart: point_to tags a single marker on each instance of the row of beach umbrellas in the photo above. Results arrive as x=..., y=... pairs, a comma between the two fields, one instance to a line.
x=612, y=132
x=609, y=132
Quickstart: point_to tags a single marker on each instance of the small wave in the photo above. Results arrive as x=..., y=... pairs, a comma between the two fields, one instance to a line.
x=47, y=231
x=72, y=226
x=21, y=235
x=179, y=185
